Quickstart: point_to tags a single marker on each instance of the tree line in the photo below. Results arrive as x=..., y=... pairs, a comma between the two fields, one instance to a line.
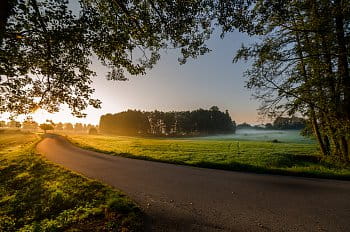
x=288, y=123
x=174, y=123
x=30, y=125
x=280, y=123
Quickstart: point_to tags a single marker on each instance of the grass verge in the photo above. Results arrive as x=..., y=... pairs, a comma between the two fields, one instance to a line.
x=295, y=159
x=36, y=195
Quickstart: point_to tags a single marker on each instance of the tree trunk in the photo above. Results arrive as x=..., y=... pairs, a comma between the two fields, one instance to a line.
x=327, y=145
x=334, y=138
x=345, y=148
x=343, y=65
x=317, y=132
x=331, y=77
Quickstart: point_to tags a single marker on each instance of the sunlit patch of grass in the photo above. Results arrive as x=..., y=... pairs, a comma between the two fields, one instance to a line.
x=38, y=196
x=257, y=156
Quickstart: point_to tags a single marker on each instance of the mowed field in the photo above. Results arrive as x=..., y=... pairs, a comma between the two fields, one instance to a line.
x=272, y=152
x=36, y=195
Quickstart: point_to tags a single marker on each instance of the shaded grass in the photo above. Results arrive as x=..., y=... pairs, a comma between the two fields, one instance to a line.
x=36, y=195
x=254, y=156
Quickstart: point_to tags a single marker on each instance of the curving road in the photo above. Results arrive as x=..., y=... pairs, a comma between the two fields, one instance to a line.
x=181, y=198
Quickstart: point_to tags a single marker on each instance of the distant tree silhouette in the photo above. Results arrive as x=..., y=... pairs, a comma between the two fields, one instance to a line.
x=68, y=126
x=59, y=126
x=14, y=124
x=244, y=126
x=280, y=123
x=29, y=124
x=131, y=122
x=78, y=127
x=157, y=123
x=45, y=127
x=269, y=126
x=284, y=123
x=92, y=131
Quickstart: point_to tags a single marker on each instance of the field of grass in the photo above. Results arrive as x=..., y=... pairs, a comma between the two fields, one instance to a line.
x=285, y=136
x=221, y=153
x=36, y=195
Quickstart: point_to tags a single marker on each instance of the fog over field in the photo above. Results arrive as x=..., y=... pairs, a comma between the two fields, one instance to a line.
x=290, y=136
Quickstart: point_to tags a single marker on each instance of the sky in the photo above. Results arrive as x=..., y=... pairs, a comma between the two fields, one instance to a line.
x=209, y=80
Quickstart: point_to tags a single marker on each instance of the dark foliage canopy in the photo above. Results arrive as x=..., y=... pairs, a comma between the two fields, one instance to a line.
x=46, y=126
x=289, y=123
x=301, y=64
x=157, y=123
x=46, y=46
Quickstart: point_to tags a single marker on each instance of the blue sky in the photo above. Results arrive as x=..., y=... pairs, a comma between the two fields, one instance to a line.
x=209, y=80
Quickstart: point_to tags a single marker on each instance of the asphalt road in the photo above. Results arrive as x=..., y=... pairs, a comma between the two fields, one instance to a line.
x=181, y=198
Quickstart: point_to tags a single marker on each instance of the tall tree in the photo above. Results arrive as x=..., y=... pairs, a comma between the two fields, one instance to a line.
x=46, y=46
x=300, y=64
x=46, y=126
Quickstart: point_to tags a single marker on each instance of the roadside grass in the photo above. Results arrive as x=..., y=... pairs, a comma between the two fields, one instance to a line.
x=36, y=195
x=300, y=159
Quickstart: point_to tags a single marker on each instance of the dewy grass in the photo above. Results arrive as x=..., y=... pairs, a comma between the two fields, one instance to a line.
x=256, y=156
x=36, y=195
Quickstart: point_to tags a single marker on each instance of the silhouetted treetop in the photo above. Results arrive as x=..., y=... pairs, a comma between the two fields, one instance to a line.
x=294, y=123
x=183, y=123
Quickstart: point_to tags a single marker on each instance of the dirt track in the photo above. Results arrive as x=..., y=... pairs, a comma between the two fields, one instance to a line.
x=181, y=198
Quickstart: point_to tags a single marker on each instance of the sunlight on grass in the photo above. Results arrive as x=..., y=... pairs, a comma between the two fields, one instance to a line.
x=38, y=196
x=258, y=156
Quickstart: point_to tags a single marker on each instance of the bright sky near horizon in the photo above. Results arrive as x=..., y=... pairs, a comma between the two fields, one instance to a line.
x=209, y=80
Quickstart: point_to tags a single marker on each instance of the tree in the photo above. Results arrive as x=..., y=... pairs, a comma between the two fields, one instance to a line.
x=46, y=46
x=88, y=126
x=301, y=63
x=244, y=126
x=131, y=122
x=93, y=131
x=214, y=108
x=14, y=124
x=284, y=123
x=29, y=124
x=269, y=126
x=45, y=127
x=68, y=126
x=2, y=123
x=157, y=123
x=78, y=127
x=59, y=126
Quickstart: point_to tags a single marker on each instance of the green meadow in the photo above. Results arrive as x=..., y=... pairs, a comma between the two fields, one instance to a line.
x=36, y=195
x=298, y=156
